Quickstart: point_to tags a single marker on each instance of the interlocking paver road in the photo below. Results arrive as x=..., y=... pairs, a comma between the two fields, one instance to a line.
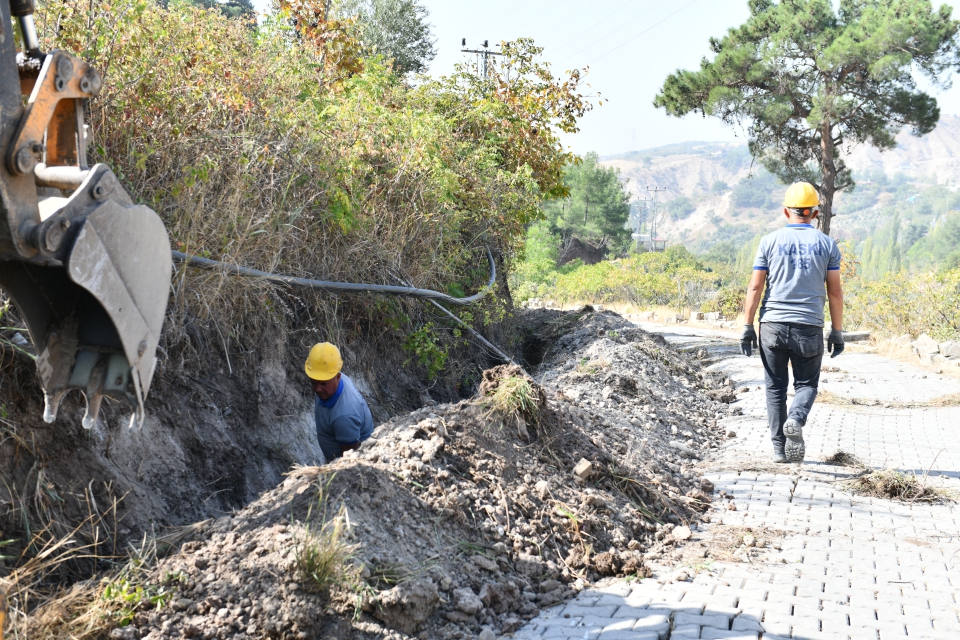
x=849, y=567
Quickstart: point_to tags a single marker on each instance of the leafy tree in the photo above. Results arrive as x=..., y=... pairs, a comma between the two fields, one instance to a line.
x=680, y=207
x=808, y=81
x=756, y=191
x=719, y=187
x=397, y=29
x=597, y=207
x=229, y=8
x=881, y=253
x=941, y=246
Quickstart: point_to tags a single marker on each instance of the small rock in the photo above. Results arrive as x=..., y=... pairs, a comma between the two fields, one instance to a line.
x=182, y=604
x=549, y=585
x=731, y=434
x=466, y=601
x=542, y=488
x=584, y=469
x=681, y=576
x=484, y=563
x=681, y=533
x=749, y=540
x=706, y=486
x=487, y=634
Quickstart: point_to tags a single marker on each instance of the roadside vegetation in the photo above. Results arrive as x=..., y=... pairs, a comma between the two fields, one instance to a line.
x=298, y=147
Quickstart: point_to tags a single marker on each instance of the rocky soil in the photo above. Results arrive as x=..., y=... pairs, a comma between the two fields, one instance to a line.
x=467, y=517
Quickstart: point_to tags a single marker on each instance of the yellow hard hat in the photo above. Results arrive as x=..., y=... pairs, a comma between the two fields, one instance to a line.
x=801, y=195
x=324, y=362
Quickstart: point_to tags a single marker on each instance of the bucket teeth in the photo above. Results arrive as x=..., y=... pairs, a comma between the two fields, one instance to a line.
x=51, y=404
x=93, y=409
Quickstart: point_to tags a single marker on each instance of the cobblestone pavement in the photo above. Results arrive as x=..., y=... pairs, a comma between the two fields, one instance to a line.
x=847, y=567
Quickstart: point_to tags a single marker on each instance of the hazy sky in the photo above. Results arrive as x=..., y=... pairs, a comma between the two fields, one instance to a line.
x=629, y=45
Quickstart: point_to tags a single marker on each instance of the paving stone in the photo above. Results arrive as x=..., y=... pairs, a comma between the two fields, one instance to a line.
x=717, y=621
x=629, y=635
x=685, y=631
x=856, y=567
x=652, y=623
x=710, y=633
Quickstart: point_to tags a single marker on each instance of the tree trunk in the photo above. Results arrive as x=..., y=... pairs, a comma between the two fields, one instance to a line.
x=828, y=180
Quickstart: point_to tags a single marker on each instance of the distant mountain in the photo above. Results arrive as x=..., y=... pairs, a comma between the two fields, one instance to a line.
x=731, y=198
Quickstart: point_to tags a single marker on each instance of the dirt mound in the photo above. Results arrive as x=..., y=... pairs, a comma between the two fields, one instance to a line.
x=462, y=520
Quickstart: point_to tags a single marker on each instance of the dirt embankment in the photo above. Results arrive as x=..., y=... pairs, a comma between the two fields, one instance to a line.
x=227, y=418
x=468, y=517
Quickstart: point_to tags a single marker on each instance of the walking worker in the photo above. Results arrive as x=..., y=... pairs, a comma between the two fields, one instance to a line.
x=342, y=415
x=800, y=267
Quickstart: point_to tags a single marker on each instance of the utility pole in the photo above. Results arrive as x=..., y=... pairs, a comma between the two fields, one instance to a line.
x=485, y=52
x=654, y=222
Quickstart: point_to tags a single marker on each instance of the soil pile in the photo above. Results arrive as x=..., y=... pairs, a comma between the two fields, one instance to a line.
x=471, y=515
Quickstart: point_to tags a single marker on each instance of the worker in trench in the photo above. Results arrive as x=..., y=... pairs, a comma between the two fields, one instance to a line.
x=800, y=267
x=342, y=415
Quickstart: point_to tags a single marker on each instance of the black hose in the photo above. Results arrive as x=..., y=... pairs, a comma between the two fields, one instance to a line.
x=206, y=263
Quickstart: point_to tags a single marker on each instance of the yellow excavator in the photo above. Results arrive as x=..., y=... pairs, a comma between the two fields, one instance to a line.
x=88, y=269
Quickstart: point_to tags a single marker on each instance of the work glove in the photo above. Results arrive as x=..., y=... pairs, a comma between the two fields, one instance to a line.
x=835, y=342
x=748, y=341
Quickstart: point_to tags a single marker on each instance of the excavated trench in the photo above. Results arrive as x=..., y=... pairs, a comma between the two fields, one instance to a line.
x=449, y=498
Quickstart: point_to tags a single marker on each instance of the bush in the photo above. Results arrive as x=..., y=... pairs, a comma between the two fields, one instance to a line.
x=901, y=303
x=281, y=147
x=673, y=277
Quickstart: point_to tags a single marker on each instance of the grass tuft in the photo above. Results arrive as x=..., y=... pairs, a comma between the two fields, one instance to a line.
x=844, y=459
x=515, y=398
x=324, y=556
x=897, y=485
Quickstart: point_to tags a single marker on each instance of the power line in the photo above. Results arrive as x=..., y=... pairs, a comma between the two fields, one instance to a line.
x=499, y=21
x=623, y=25
x=563, y=18
x=603, y=19
x=642, y=32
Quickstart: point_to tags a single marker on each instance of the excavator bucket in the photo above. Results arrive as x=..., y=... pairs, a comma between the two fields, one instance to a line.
x=87, y=268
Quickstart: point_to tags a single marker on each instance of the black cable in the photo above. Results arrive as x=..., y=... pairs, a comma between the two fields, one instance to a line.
x=206, y=263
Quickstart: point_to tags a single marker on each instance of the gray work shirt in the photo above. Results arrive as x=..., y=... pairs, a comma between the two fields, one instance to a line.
x=343, y=419
x=796, y=259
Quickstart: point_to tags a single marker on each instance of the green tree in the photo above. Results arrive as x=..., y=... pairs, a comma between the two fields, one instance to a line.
x=680, y=207
x=881, y=251
x=941, y=247
x=229, y=8
x=597, y=207
x=808, y=80
x=396, y=29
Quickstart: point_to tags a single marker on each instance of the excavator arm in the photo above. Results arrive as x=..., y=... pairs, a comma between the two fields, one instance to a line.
x=87, y=268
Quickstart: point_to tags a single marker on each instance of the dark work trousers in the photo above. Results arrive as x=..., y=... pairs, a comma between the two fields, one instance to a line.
x=802, y=346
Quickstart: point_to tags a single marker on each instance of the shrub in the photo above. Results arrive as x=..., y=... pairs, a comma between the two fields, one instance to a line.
x=280, y=147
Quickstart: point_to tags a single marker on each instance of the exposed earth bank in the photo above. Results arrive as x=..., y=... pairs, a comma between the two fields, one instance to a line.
x=467, y=517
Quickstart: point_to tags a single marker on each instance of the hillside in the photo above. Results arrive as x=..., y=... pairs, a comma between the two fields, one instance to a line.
x=733, y=199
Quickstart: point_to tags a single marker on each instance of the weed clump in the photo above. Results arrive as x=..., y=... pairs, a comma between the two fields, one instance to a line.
x=897, y=485
x=844, y=459
x=323, y=557
x=512, y=397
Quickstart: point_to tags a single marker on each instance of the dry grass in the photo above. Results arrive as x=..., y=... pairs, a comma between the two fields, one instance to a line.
x=733, y=544
x=826, y=397
x=897, y=485
x=323, y=557
x=844, y=459
x=510, y=397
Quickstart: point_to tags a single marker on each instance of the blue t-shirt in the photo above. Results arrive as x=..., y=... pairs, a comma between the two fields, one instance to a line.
x=796, y=259
x=343, y=419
